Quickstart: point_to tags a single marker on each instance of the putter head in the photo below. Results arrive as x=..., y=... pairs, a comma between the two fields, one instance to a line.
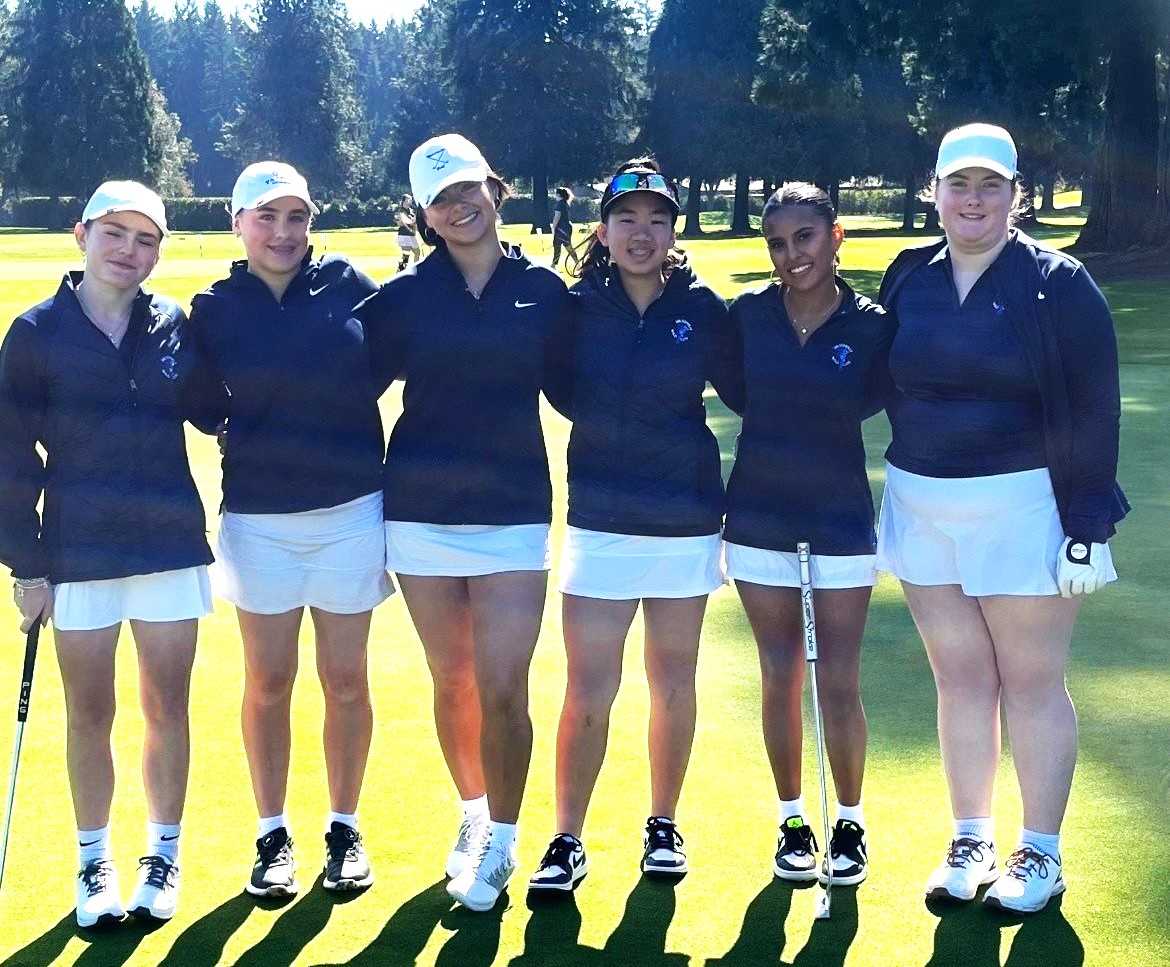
x=823, y=906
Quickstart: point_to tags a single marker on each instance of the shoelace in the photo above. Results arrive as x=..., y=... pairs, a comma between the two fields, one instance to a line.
x=94, y=876
x=847, y=841
x=559, y=853
x=964, y=850
x=160, y=873
x=801, y=840
x=662, y=834
x=1026, y=861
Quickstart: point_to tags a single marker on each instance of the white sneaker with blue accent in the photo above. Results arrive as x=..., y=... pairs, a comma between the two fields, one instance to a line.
x=1030, y=879
x=479, y=887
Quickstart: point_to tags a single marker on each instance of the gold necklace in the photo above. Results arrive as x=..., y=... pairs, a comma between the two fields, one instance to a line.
x=821, y=316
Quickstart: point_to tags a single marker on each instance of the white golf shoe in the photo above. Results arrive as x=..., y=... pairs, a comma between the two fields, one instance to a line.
x=970, y=863
x=1030, y=879
x=473, y=830
x=157, y=892
x=479, y=887
x=99, y=902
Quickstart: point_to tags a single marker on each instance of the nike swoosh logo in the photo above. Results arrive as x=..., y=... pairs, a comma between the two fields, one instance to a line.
x=168, y=839
x=92, y=842
x=524, y=305
x=318, y=291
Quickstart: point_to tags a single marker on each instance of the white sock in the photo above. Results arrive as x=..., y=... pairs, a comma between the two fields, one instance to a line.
x=475, y=807
x=852, y=813
x=163, y=840
x=790, y=808
x=503, y=834
x=93, y=844
x=269, y=823
x=977, y=827
x=346, y=819
x=1045, y=842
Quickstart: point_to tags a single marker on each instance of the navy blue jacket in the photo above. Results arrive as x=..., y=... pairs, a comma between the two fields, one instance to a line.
x=119, y=499
x=1064, y=323
x=304, y=430
x=641, y=458
x=799, y=472
x=468, y=447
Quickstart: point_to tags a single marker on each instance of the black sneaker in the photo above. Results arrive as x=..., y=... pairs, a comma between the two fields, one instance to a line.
x=663, y=848
x=274, y=874
x=346, y=866
x=563, y=866
x=847, y=854
x=796, y=848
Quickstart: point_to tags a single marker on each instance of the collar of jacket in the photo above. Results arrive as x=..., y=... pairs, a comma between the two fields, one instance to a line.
x=440, y=265
x=66, y=299
x=240, y=275
x=606, y=285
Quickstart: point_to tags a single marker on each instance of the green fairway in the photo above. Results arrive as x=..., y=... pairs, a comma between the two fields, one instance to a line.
x=728, y=912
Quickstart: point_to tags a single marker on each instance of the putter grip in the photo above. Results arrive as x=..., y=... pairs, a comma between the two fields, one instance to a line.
x=26, y=676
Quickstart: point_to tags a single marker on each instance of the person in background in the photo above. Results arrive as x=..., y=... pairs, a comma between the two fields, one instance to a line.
x=408, y=242
x=562, y=230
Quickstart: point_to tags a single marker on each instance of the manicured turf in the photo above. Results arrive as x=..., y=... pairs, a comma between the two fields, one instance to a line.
x=728, y=911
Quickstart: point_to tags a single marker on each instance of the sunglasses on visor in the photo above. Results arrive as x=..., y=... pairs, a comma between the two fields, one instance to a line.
x=636, y=180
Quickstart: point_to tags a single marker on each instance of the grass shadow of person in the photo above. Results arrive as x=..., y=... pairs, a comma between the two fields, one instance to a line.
x=113, y=946
x=293, y=930
x=553, y=934
x=1046, y=938
x=969, y=934
x=761, y=937
x=47, y=947
x=640, y=936
x=407, y=931
x=828, y=944
x=202, y=943
x=476, y=937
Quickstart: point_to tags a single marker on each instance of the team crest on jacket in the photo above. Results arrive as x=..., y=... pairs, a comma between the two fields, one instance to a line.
x=681, y=330
x=169, y=367
x=842, y=355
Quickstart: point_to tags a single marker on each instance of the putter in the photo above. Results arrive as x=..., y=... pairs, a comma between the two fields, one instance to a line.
x=809, y=620
x=26, y=680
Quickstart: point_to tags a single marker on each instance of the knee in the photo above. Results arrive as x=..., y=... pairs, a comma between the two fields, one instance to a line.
x=348, y=686
x=90, y=713
x=504, y=696
x=270, y=687
x=593, y=694
x=838, y=698
x=454, y=681
x=781, y=668
x=672, y=686
x=163, y=707
x=971, y=683
x=1034, y=691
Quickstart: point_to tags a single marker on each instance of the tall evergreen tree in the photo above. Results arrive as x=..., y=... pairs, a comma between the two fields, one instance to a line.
x=300, y=103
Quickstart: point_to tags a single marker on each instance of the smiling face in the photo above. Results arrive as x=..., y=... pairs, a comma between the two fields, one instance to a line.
x=275, y=237
x=464, y=213
x=121, y=249
x=639, y=232
x=803, y=247
x=974, y=206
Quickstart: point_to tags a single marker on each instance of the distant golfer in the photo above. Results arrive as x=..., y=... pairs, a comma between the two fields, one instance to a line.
x=813, y=367
x=1000, y=500
x=408, y=242
x=645, y=506
x=102, y=375
x=562, y=230
x=471, y=330
x=302, y=505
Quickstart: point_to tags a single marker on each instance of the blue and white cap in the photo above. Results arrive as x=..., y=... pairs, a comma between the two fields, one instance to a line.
x=265, y=181
x=126, y=196
x=442, y=161
x=977, y=146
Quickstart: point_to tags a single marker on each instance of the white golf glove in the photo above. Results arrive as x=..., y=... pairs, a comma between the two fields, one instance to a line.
x=1081, y=567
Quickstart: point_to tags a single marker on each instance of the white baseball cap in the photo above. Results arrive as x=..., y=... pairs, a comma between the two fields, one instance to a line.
x=125, y=196
x=442, y=161
x=977, y=146
x=264, y=181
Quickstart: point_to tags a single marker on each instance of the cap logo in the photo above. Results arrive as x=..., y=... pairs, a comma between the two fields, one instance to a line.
x=277, y=180
x=439, y=158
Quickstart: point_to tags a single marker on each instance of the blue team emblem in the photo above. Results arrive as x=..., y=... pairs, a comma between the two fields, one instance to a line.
x=439, y=158
x=842, y=355
x=681, y=330
x=170, y=369
x=999, y=307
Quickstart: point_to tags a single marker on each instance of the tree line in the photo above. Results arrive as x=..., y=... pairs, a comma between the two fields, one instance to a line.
x=556, y=91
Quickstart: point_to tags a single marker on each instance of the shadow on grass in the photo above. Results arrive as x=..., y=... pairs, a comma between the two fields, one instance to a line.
x=110, y=946
x=48, y=946
x=968, y=934
x=761, y=937
x=640, y=936
x=407, y=931
x=203, y=941
x=553, y=934
x=476, y=938
x=294, y=929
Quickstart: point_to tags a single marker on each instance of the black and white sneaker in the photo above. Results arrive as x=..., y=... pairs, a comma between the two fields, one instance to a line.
x=969, y=864
x=847, y=854
x=796, y=848
x=274, y=873
x=98, y=903
x=346, y=865
x=663, y=848
x=563, y=867
x=157, y=892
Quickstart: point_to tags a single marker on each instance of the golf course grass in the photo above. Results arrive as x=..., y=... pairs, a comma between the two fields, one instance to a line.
x=728, y=911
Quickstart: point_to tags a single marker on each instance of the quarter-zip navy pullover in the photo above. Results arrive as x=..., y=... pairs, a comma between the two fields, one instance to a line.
x=468, y=447
x=799, y=471
x=641, y=458
x=304, y=430
x=119, y=499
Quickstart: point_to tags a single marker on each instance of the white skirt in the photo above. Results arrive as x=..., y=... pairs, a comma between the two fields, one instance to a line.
x=332, y=559
x=465, y=550
x=997, y=534
x=781, y=569
x=624, y=567
x=164, y=596
x=408, y=243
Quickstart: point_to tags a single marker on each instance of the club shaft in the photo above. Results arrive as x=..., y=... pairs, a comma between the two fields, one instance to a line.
x=11, y=797
x=26, y=681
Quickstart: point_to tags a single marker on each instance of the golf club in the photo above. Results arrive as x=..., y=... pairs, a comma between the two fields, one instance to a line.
x=809, y=620
x=26, y=680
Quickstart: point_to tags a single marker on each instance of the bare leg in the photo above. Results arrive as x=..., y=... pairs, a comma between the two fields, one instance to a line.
x=166, y=653
x=441, y=611
x=595, y=636
x=270, y=668
x=349, y=718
